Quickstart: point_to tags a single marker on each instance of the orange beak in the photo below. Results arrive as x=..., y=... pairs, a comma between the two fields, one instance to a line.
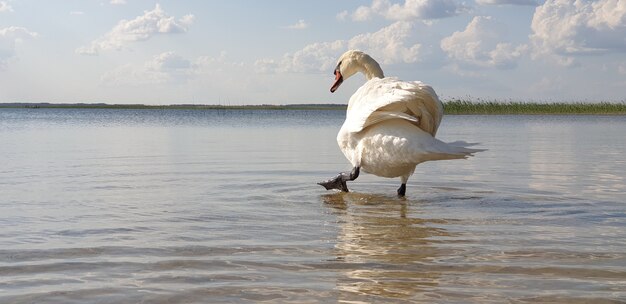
x=338, y=81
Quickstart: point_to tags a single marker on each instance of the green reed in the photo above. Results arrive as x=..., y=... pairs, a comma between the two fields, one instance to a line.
x=457, y=106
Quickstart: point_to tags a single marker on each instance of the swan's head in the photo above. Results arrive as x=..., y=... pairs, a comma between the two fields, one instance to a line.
x=354, y=61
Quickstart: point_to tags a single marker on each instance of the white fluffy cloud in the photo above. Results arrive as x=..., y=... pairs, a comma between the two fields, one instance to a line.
x=507, y=2
x=167, y=67
x=481, y=45
x=118, y=2
x=341, y=16
x=141, y=28
x=9, y=36
x=387, y=45
x=314, y=57
x=300, y=25
x=169, y=61
x=5, y=7
x=564, y=28
x=622, y=68
x=409, y=10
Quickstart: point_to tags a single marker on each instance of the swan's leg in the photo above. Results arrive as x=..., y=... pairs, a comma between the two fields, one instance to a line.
x=339, y=182
x=402, y=189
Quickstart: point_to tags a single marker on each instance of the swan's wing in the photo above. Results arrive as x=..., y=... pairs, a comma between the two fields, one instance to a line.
x=389, y=98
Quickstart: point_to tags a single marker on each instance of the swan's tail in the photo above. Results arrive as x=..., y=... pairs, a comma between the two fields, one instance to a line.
x=461, y=148
x=463, y=144
x=439, y=150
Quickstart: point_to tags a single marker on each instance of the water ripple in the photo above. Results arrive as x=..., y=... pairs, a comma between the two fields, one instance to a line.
x=219, y=207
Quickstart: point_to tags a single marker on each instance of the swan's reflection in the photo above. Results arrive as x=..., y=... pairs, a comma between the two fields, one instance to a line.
x=388, y=250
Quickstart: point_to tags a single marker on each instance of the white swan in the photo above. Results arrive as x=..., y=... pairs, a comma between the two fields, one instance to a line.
x=390, y=125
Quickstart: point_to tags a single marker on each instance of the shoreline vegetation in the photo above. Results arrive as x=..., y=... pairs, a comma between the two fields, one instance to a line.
x=451, y=107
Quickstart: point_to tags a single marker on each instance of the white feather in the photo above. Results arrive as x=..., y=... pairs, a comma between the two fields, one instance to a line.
x=394, y=97
x=390, y=125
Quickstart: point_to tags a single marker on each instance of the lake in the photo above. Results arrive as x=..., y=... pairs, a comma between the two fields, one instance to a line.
x=222, y=206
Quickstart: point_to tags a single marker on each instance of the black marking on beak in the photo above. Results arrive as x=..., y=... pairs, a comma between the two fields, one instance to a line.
x=338, y=78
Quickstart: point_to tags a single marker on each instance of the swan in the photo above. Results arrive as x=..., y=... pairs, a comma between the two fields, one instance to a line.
x=390, y=125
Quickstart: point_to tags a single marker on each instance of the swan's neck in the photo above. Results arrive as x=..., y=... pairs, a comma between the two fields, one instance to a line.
x=371, y=69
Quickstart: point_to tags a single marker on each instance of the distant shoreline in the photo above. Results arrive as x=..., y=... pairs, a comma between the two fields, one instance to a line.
x=452, y=107
x=173, y=106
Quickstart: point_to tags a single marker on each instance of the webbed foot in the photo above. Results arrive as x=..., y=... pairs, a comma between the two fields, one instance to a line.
x=336, y=182
x=339, y=182
x=402, y=190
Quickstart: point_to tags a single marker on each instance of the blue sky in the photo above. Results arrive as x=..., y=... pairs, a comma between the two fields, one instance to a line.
x=283, y=52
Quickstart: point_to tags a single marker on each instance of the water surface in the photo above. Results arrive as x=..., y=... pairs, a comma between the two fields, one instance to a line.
x=210, y=206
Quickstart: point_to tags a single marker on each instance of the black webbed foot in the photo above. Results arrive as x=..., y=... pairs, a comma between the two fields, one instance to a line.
x=339, y=182
x=402, y=190
x=336, y=182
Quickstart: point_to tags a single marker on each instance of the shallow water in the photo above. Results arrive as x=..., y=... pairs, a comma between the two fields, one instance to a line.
x=162, y=206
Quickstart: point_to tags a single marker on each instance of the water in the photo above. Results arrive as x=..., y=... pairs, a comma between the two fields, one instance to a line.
x=163, y=206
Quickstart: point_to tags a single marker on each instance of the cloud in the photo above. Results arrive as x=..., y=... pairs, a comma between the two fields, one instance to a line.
x=342, y=15
x=507, y=2
x=481, y=45
x=300, y=25
x=167, y=68
x=409, y=10
x=5, y=7
x=141, y=28
x=622, y=68
x=315, y=57
x=562, y=29
x=169, y=61
x=118, y=2
x=388, y=45
x=549, y=86
x=9, y=36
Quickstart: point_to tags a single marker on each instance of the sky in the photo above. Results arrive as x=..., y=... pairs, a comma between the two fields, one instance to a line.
x=284, y=52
